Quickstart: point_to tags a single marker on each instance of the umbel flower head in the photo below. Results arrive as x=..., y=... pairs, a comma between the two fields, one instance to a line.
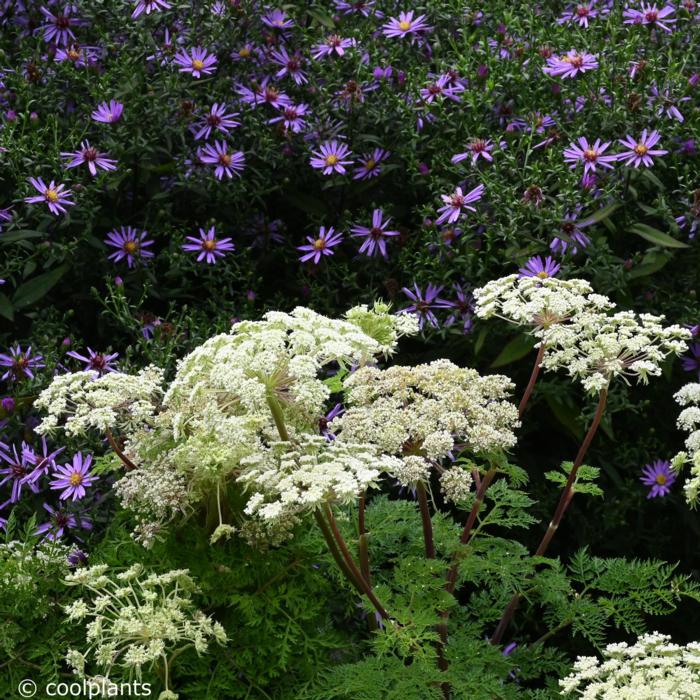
x=135, y=620
x=427, y=411
x=652, y=668
x=596, y=348
x=537, y=302
x=689, y=420
x=288, y=480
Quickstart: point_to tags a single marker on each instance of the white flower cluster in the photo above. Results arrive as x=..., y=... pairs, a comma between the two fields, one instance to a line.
x=689, y=420
x=115, y=401
x=537, y=303
x=651, y=669
x=456, y=484
x=595, y=348
x=136, y=619
x=428, y=410
x=288, y=479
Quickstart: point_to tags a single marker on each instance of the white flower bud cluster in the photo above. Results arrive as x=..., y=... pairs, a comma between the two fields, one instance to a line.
x=535, y=302
x=135, y=620
x=411, y=469
x=428, y=409
x=288, y=479
x=651, y=669
x=595, y=348
x=456, y=484
x=689, y=420
x=22, y=565
x=83, y=401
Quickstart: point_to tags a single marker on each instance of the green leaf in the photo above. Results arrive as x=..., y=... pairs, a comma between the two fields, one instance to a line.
x=36, y=288
x=480, y=340
x=649, y=266
x=6, y=308
x=516, y=349
x=14, y=236
x=601, y=214
x=321, y=17
x=566, y=414
x=653, y=235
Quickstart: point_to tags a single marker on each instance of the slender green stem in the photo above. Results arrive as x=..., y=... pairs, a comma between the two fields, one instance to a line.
x=328, y=536
x=567, y=495
x=277, y=415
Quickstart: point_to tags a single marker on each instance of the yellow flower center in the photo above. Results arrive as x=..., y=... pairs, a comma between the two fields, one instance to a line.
x=370, y=164
x=404, y=26
x=244, y=52
x=661, y=479
x=589, y=154
x=640, y=149
x=51, y=195
x=542, y=274
x=331, y=159
x=319, y=244
x=197, y=64
x=225, y=159
x=209, y=244
x=76, y=479
x=131, y=246
x=73, y=54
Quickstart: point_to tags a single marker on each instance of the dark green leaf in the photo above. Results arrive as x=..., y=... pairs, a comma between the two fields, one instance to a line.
x=516, y=349
x=36, y=288
x=653, y=235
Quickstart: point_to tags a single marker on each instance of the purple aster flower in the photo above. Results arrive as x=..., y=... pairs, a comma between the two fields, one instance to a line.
x=208, y=245
x=641, y=151
x=41, y=462
x=277, y=19
x=362, y=7
x=5, y=215
x=375, y=237
x=57, y=197
x=651, y=16
x=216, y=119
x=659, y=476
x=405, y=25
x=291, y=65
x=96, y=361
x=90, y=157
x=323, y=422
x=292, y=117
x=247, y=52
x=691, y=363
x=423, y=305
x=226, y=161
x=462, y=309
x=369, y=164
x=130, y=243
x=108, y=112
x=442, y=87
x=61, y=520
x=333, y=44
x=265, y=231
x=331, y=157
x=73, y=477
x=575, y=237
x=79, y=56
x=666, y=104
x=590, y=155
x=20, y=363
x=263, y=93
x=320, y=246
x=17, y=471
x=537, y=267
x=58, y=27
x=581, y=13
x=149, y=6
x=476, y=148
x=456, y=203
x=76, y=557
x=571, y=65
x=198, y=62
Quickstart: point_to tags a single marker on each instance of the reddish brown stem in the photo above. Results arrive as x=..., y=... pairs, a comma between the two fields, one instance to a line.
x=564, y=500
x=113, y=444
x=361, y=514
x=533, y=380
x=350, y=562
x=425, y=518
